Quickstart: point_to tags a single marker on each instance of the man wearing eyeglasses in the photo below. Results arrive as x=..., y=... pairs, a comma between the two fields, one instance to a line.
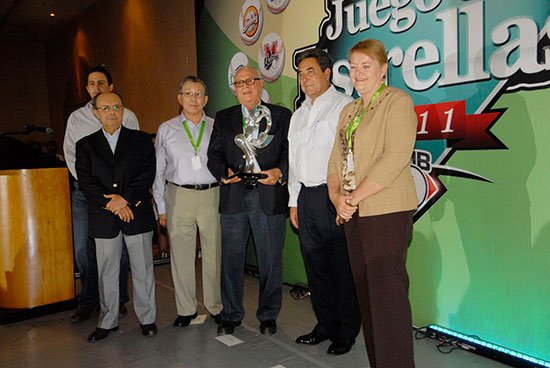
x=187, y=197
x=116, y=168
x=261, y=208
x=83, y=122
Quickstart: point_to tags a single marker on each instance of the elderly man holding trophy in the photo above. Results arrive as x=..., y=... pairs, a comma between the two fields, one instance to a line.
x=248, y=154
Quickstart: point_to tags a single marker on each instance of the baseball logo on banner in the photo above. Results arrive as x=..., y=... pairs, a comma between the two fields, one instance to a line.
x=271, y=57
x=277, y=6
x=237, y=62
x=251, y=20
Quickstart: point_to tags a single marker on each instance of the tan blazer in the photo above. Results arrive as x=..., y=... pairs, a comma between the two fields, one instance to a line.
x=383, y=147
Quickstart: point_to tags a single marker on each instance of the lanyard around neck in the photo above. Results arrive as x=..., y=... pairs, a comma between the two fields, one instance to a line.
x=195, y=146
x=354, y=124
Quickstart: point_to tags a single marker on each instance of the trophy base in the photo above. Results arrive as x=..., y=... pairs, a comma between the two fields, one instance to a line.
x=250, y=180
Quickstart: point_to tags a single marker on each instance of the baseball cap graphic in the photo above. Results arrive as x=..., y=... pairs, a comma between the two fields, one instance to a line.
x=251, y=20
x=277, y=6
x=271, y=57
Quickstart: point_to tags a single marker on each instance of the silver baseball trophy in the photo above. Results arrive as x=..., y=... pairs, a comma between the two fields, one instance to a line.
x=248, y=143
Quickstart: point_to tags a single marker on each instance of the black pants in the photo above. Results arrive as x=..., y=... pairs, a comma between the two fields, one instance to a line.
x=327, y=266
x=377, y=248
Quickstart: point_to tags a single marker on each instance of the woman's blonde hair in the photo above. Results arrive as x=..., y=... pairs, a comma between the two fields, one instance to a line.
x=371, y=47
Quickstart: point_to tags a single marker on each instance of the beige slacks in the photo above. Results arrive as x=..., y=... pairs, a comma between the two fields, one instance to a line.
x=187, y=209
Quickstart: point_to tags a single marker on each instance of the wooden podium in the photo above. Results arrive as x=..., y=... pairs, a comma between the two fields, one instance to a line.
x=36, y=253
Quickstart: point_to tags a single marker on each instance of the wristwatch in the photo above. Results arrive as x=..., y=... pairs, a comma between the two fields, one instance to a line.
x=280, y=180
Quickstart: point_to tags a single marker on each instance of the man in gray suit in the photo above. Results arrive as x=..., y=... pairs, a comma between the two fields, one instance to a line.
x=116, y=168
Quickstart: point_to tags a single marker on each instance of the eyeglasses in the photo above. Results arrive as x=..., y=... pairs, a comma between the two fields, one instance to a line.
x=190, y=94
x=248, y=81
x=108, y=108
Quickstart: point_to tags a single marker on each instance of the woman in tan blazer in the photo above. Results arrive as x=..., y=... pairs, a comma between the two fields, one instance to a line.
x=371, y=186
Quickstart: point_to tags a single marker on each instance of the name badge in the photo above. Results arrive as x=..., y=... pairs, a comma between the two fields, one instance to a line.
x=196, y=162
x=349, y=160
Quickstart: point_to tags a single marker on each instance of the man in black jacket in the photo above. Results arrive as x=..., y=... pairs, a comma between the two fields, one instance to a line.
x=261, y=208
x=116, y=168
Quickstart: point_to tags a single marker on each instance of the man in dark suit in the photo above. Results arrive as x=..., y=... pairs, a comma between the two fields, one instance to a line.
x=261, y=208
x=116, y=168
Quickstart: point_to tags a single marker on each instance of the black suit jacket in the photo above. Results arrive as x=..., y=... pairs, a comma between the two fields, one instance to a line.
x=129, y=172
x=223, y=153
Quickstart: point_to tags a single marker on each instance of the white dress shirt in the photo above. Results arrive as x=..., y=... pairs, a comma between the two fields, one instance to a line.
x=83, y=122
x=310, y=140
x=112, y=139
x=174, y=152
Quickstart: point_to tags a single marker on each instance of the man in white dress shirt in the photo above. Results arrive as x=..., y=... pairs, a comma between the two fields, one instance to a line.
x=187, y=197
x=311, y=137
x=81, y=123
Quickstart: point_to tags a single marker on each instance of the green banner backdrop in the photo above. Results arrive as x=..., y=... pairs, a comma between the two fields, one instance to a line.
x=478, y=73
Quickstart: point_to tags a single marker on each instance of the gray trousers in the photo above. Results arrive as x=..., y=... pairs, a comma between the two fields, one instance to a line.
x=140, y=251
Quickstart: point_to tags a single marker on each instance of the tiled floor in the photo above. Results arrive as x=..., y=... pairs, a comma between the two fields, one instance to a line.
x=52, y=341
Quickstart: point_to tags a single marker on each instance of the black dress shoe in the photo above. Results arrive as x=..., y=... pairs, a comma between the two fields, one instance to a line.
x=340, y=347
x=123, y=311
x=269, y=327
x=217, y=318
x=149, y=330
x=100, y=334
x=312, y=338
x=227, y=327
x=183, y=321
x=82, y=314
